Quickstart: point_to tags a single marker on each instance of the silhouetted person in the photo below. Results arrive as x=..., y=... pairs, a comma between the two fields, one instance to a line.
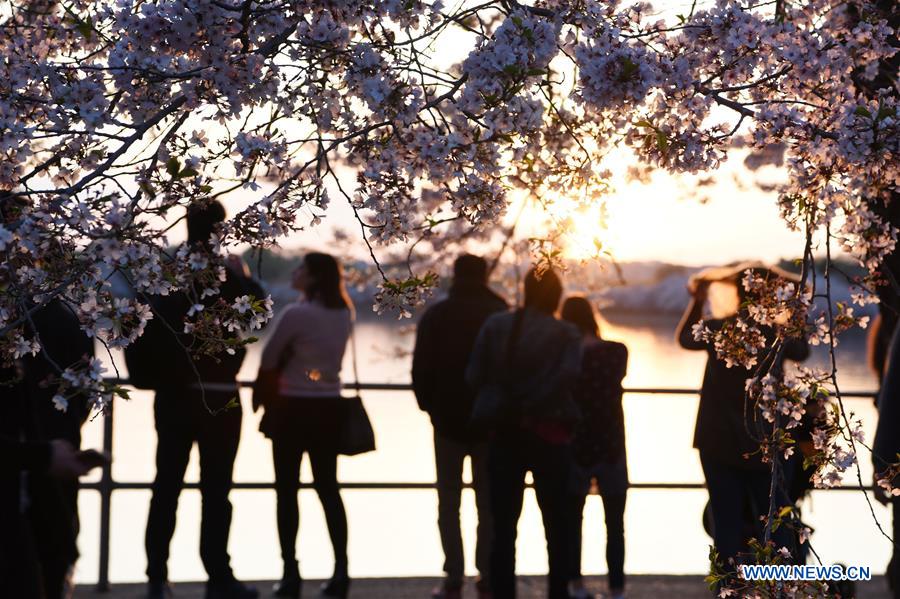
x=885, y=448
x=535, y=359
x=727, y=429
x=599, y=444
x=304, y=414
x=878, y=341
x=38, y=505
x=20, y=458
x=881, y=336
x=190, y=407
x=24, y=543
x=54, y=501
x=40, y=461
x=444, y=340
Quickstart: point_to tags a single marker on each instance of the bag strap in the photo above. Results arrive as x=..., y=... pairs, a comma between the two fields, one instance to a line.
x=353, y=355
x=284, y=357
x=514, y=338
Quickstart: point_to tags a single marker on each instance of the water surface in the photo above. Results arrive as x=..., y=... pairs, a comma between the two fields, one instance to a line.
x=394, y=533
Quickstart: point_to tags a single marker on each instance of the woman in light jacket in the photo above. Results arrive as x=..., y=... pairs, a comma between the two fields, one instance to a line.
x=303, y=412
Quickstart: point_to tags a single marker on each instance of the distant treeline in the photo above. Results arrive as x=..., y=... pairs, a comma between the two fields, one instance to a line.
x=843, y=265
x=274, y=266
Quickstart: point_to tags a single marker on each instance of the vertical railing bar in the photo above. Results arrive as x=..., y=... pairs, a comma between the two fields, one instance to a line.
x=106, y=490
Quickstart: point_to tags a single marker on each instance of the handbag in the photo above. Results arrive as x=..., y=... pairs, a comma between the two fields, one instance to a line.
x=265, y=387
x=357, y=435
x=493, y=402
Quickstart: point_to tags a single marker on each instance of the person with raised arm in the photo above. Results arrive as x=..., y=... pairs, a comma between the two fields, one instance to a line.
x=729, y=428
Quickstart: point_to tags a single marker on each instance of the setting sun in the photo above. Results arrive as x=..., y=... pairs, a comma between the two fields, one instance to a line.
x=668, y=218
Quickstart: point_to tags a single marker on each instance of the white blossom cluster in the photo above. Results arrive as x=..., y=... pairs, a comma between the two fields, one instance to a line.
x=738, y=343
x=402, y=296
x=786, y=397
x=85, y=380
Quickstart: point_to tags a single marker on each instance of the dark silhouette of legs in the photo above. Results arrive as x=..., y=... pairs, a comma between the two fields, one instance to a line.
x=175, y=435
x=324, y=470
x=614, y=515
x=182, y=418
x=551, y=470
x=287, y=457
x=449, y=456
x=734, y=495
x=217, y=441
x=485, y=531
x=575, y=517
x=507, y=475
x=727, y=500
x=20, y=567
x=893, y=571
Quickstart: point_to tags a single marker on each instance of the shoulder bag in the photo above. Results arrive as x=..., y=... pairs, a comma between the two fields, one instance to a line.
x=357, y=435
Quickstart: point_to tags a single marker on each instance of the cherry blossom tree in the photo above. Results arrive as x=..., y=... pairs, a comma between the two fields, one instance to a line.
x=427, y=121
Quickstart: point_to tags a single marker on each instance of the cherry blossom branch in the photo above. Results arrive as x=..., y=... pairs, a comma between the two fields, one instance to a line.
x=833, y=375
x=110, y=161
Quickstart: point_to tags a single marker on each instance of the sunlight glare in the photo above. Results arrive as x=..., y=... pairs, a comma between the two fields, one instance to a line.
x=588, y=235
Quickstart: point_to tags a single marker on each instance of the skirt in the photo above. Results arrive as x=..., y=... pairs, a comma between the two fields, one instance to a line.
x=308, y=422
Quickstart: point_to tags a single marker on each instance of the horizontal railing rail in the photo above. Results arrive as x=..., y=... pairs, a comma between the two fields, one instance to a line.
x=627, y=390
x=107, y=485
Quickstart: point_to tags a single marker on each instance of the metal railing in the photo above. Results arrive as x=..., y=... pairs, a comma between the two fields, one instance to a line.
x=107, y=485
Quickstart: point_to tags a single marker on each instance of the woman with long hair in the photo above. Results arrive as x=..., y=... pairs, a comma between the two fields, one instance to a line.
x=599, y=445
x=303, y=413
